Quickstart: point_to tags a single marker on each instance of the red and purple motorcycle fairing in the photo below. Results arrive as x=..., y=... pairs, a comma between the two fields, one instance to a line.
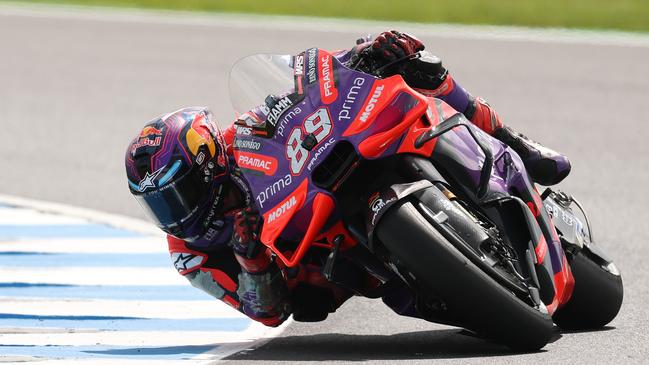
x=335, y=118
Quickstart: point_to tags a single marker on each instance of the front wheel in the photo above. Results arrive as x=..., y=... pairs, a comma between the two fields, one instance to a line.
x=597, y=296
x=473, y=297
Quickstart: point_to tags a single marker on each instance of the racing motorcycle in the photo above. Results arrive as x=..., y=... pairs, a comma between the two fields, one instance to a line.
x=382, y=191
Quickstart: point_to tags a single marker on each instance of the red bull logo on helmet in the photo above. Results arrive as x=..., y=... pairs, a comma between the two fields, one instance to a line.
x=144, y=139
x=150, y=131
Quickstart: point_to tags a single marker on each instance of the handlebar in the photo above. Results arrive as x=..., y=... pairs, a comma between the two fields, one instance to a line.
x=364, y=62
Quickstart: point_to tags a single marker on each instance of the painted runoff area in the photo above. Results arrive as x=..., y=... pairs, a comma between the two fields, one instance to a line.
x=75, y=286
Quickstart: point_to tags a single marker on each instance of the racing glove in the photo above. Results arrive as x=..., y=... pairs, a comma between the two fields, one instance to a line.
x=393, y=45
x=250, y=253
x=262, y=288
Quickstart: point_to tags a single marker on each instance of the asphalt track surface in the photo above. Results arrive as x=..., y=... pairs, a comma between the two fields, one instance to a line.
x=74, y=89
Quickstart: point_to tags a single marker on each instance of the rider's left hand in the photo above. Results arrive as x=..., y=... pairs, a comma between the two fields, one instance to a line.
x=246, y=231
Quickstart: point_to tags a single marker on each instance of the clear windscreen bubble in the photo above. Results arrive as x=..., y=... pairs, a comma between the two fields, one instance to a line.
x=253, y=78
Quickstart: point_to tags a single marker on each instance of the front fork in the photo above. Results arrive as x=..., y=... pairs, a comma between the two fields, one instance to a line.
x=549, y=246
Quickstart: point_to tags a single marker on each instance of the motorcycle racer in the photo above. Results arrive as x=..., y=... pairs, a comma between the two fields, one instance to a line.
x=180, y=169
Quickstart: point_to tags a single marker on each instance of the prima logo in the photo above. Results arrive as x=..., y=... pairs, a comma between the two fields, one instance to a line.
x=289, y=115
x=273, y=189
x=350, y=99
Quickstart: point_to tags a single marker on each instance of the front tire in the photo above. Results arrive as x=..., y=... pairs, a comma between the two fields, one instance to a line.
x=474, y=298
x=596, y=298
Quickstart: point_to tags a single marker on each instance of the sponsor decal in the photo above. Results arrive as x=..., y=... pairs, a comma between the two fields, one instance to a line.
x=377, y=203
x=287, y=117
x=299, y=65
x=244, y=130
x=328, y=91
x=556, y=213
x=319, y=152
x=213, y=208
x=247, y=144
x=200, y=158
x=273, y=189
x=312, y=65
x=257, y=162
x=319, y=125
x=282, y=209
x=212, y=233
x=372, y=103
x=185, y=261
x=350, y=98
x=145, y=142
x=147, y=182
x=150, y=131
x=278, y=109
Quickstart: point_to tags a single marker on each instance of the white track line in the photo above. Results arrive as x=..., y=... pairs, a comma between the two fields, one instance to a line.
x=224, y=343
x=89, y=245
x=133, y=338
x=22, y=216
x=166, y=309
x=121, y=361
x=93, y=216
x=122, y=276
x=325, y=25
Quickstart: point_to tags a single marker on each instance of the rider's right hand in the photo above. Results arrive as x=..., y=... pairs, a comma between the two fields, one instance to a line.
x=393, y=45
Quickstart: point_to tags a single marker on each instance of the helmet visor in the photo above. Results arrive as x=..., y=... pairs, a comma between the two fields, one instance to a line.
x=175, y=203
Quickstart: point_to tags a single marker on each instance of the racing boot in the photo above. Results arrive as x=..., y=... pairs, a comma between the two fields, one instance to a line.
x=545, y=166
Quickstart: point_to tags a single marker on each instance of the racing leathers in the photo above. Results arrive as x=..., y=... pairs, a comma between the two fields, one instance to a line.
x=243, y=275
x=240, y=273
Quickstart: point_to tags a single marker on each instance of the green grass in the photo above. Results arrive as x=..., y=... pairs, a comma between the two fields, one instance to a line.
x=630, y=15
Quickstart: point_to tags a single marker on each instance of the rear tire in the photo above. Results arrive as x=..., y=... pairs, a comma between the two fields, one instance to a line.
x=475, y=299
x=596, y=299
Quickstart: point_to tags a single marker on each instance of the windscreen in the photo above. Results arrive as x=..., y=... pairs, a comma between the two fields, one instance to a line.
x=255, y=77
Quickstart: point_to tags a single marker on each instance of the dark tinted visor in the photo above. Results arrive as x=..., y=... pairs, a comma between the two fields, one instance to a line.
x=174, y=203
